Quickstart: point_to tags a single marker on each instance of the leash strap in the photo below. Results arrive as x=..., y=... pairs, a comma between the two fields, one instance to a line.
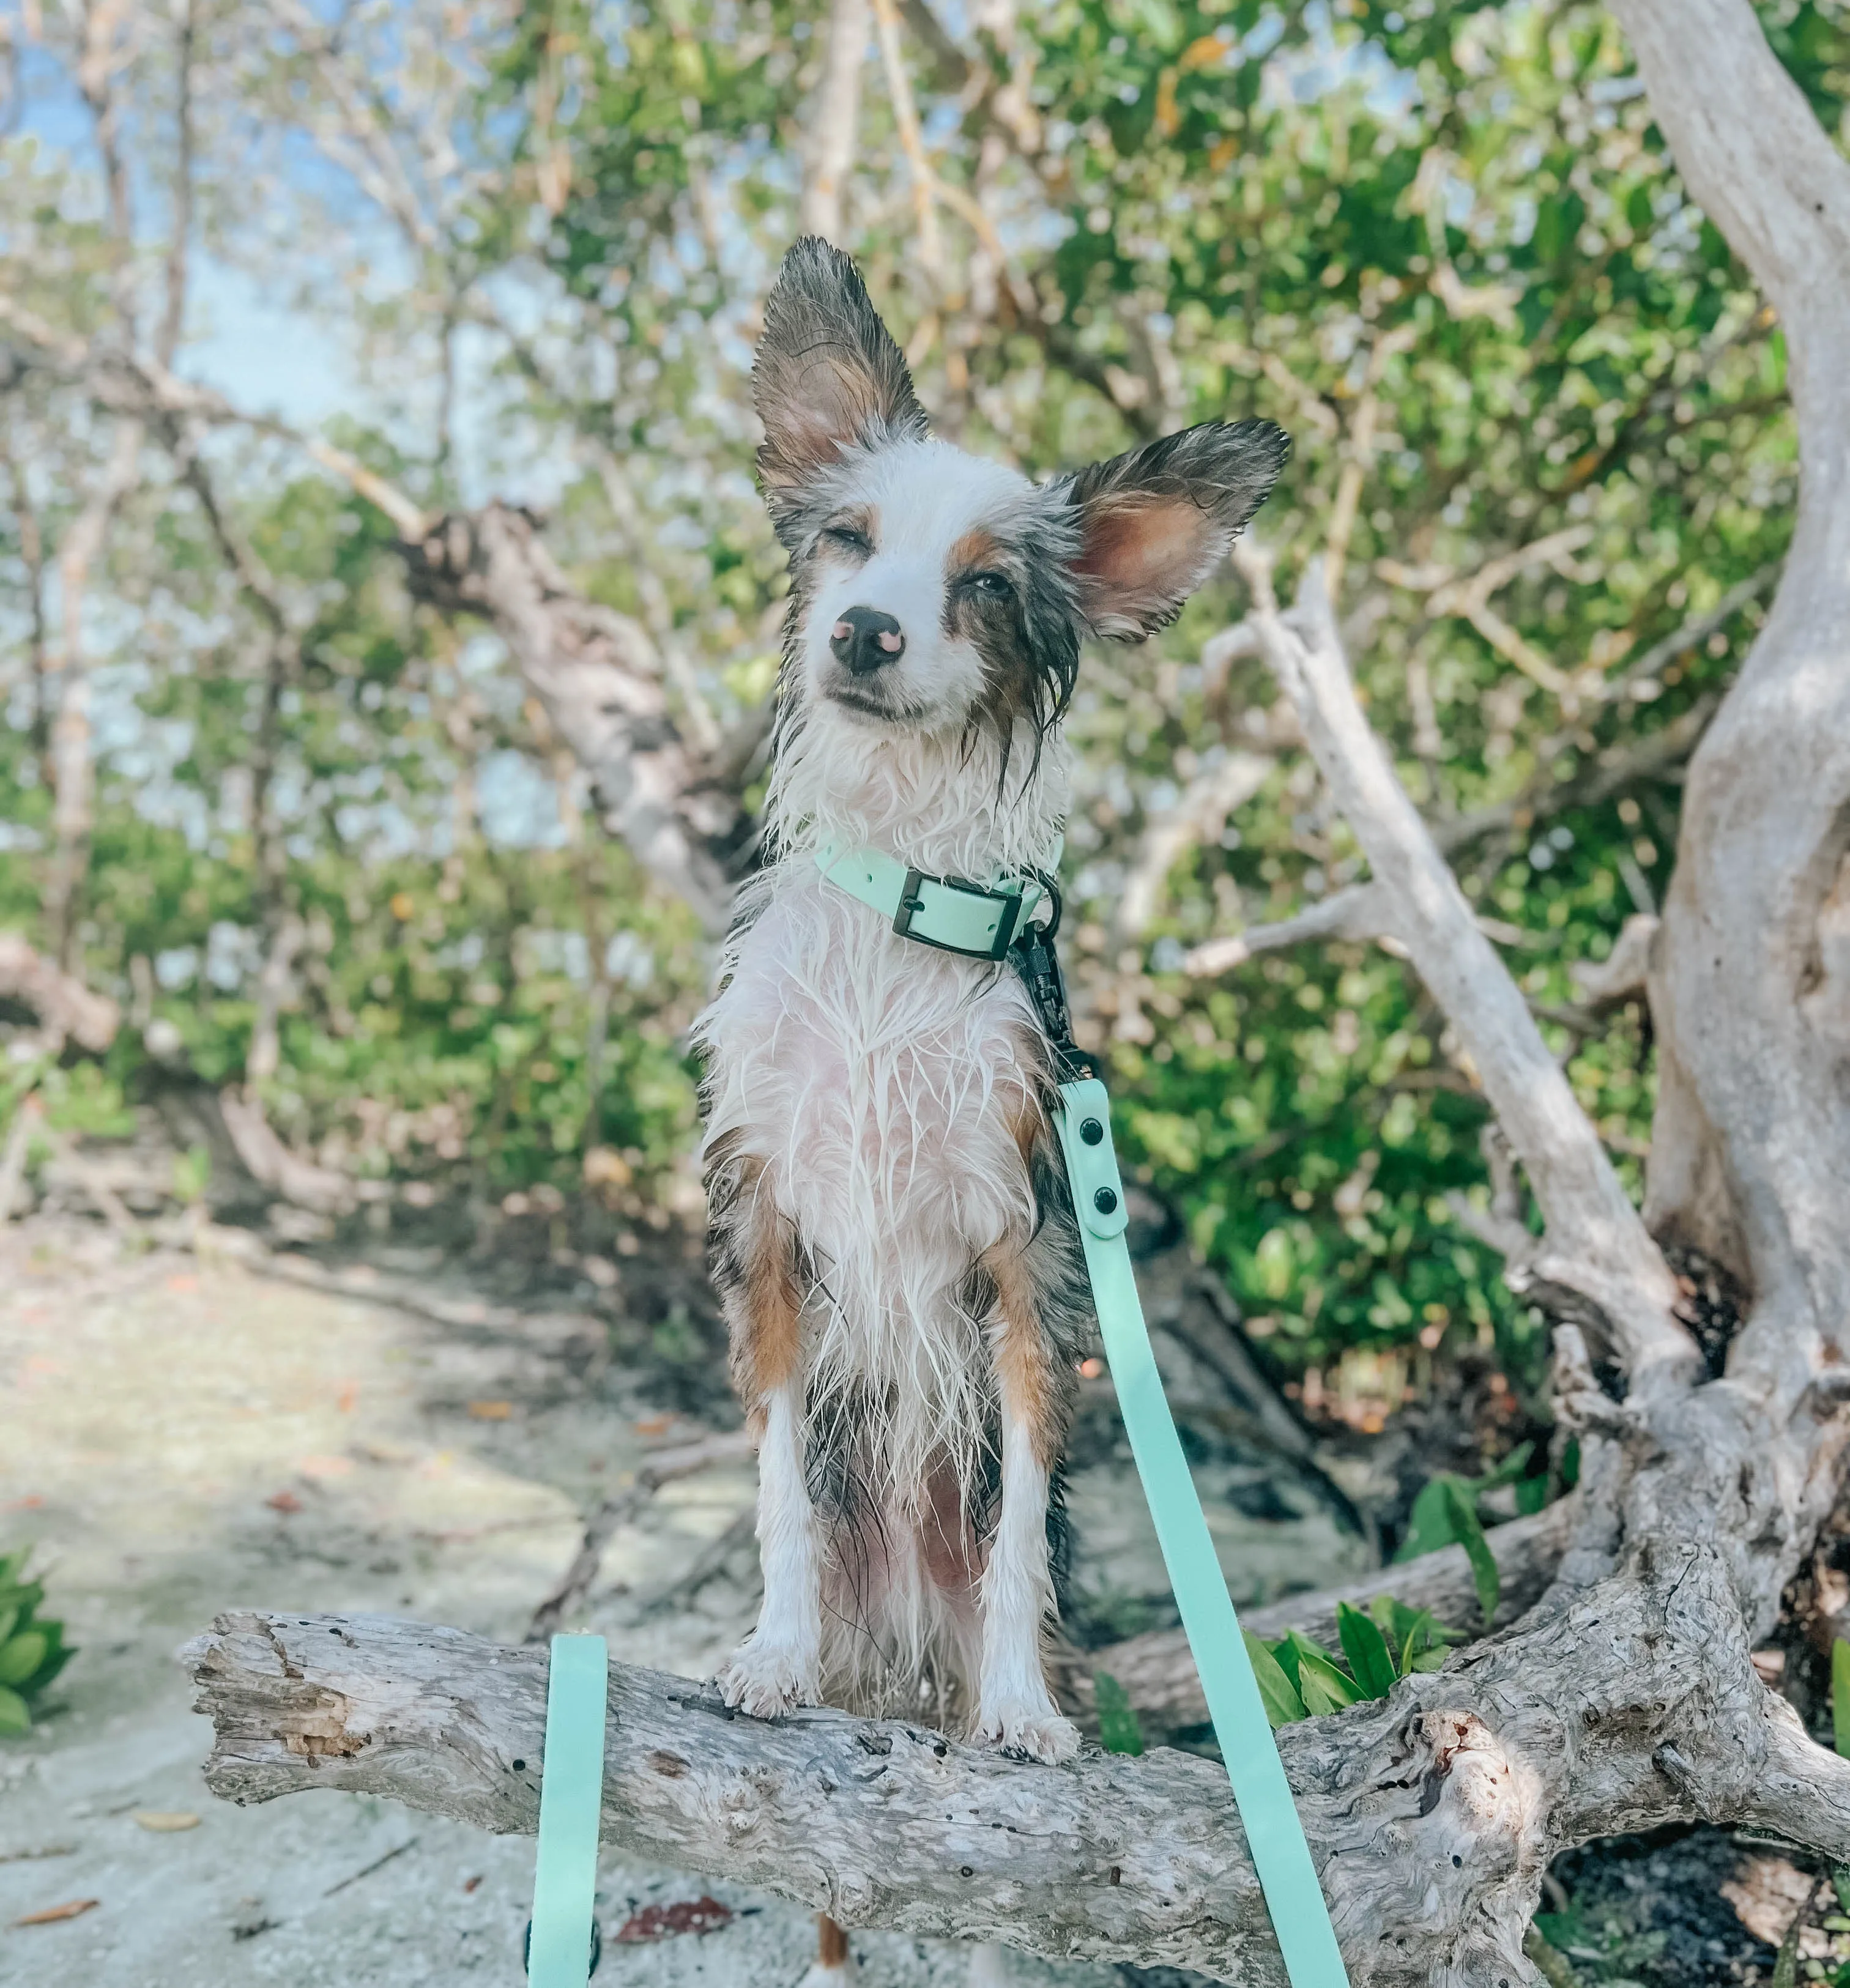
x=1299, y=1917
x=961, y=917
x=571, y=1802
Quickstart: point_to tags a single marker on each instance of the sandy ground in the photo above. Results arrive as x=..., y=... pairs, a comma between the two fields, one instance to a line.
x=181, y=1433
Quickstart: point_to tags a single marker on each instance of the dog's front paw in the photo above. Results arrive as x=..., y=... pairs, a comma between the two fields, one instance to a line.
x=767, y=1679
x=1020, y=1726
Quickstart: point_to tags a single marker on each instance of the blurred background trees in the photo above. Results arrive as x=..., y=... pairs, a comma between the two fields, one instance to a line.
x=329, y=335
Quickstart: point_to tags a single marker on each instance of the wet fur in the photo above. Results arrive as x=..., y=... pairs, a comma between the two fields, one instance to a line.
x=892, y=1236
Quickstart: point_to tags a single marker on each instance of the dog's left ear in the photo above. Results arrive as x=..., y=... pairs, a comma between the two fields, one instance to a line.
x=1155, y=522
x=828, y=376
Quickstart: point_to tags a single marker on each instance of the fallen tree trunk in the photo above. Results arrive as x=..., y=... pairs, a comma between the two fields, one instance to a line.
x=1423, y=1810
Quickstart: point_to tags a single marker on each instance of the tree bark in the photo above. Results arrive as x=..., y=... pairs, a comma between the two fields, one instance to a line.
x=1432, y=1813
x=591, y=668
x=834, y=116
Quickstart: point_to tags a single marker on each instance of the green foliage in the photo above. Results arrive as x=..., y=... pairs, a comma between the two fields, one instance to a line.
x=1458, y=217
x=1298, y=1678
x=1468, y=1529
x=1118, y=1729
x=32, y=1648
x=1446, y=1512
x=1608, y=1953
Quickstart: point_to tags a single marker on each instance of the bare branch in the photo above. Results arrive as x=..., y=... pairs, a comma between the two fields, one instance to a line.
x=592, y=669
x=1632, y=679
x=1596, y=1244
x=1198, y=815
x=666, y=1466
x=271, y=1164
x=73, y=772
x=589, y=666
x=63, y=1003
x=174, y=315
x=1359, y=912
x=906, y=118
x=1359, y=457
x=1757, y=161
x=833, y=119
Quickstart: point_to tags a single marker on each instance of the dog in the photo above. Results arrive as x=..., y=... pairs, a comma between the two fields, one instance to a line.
x=891, y=1235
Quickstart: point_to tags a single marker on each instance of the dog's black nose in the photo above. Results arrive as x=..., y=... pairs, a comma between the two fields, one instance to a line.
x=865, y=640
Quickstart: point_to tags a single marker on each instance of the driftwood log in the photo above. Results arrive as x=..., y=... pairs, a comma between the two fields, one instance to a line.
x=1623, y=1697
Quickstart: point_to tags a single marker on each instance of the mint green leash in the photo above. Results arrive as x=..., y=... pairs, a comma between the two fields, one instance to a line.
x=1274, y=1834
x=989, y=922
x=571, y=1805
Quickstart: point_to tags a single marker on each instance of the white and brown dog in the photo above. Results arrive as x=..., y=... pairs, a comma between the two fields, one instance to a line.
x=892, y=1235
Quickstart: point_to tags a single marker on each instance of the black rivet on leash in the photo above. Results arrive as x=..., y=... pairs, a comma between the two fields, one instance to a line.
x=1104, y=1201
x=526, y=1948
x=1090, y=1131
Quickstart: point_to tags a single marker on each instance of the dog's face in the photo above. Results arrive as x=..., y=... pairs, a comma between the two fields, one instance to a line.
x=935, y=591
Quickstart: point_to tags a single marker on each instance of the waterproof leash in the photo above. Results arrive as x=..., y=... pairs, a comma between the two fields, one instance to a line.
x=995, y=922
x=563, y=1945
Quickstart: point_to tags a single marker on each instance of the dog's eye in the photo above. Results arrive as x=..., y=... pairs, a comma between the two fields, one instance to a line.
x=992, y=586
x=849, y=538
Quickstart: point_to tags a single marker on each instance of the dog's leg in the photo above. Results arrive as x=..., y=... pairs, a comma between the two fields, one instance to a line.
x=1015, y=1709
x=754, y=1265
x=834, y=1965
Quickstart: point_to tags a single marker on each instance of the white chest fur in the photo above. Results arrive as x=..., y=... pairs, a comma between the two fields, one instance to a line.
x=880, y=1084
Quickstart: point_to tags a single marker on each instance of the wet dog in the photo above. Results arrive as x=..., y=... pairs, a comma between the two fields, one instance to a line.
x=892, y=1236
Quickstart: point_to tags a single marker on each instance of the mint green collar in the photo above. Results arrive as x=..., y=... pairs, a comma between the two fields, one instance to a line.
x=979, y=920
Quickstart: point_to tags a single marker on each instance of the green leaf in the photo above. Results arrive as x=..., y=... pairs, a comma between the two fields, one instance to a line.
x=1840, y=1698
x=14, y=1717
x=1508, y=1471
x=1429, y=1523
x=22, y=1658
x=1531, y=1495
x=57, y=1654
x=1317, y=1673
x=1470, y=1535
x=1370, y=1662
x=25, y=1596
x=9, y=1621
x=1421, y=1636
x=1283, y=1706
x=1118, y=1731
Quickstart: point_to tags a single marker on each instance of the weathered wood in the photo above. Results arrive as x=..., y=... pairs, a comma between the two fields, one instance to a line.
x=1432, y=1814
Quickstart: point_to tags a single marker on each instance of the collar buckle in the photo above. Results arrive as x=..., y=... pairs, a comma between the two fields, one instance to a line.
x=912, y=903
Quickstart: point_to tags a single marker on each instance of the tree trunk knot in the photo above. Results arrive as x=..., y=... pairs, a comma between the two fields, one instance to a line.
x=1486, y=1800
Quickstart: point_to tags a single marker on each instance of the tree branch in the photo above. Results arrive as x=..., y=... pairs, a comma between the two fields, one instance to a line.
x=1431, y=1813
x=63, y=1003
x=1755, y=158
x=834, y=118
x=591, y=668
x=1596, y=1244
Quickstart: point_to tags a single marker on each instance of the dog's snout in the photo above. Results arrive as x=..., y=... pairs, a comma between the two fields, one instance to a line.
x=865, y=640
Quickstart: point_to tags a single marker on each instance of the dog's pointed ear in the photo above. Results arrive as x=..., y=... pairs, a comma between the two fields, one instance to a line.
x=828, y=376
x=1154, y=523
